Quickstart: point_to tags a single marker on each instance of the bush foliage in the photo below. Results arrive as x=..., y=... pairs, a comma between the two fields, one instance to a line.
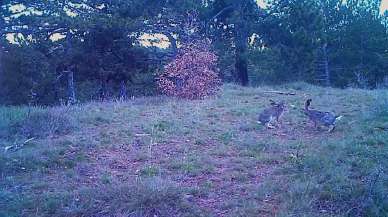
x=192, y=74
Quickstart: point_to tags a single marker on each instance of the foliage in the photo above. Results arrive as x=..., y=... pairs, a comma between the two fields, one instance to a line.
x=77, y=51
x=306, y=35
x=231, y=24
x=97, y=49
x=192, y=74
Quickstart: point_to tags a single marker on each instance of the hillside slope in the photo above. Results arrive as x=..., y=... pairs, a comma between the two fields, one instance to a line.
x=159, y=156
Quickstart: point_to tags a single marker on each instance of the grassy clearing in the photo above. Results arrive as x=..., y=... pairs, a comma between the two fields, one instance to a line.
x=165, y=157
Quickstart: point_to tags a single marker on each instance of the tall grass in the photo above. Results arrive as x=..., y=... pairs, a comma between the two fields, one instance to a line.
x=9, y=116
x=133, y=158
x=144, y=198
x=35, y=121
x=345, y=176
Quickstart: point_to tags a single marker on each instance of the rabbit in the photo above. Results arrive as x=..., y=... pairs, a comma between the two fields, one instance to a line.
x=327, y=119
x=274, y=112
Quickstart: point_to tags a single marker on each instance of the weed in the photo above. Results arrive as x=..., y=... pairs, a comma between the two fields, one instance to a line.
x=149, y=171
x=106, y=178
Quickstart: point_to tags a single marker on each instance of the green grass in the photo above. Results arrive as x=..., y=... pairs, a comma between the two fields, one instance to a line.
x=160, y=156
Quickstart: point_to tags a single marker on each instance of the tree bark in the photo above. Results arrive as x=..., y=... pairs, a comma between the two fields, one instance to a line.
x=123, y=90
x=70, y=87
x=1, y=62
x=102, y=89
x=102, y=92
x=326, y=65
x=56, y=87
x=241, y=65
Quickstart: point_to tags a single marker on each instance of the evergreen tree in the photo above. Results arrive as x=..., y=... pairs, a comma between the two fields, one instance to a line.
x=233, y=22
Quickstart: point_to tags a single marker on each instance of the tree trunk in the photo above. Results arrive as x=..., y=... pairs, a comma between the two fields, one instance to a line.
x=33, y=96
x=241, y=65
x=326, y=65
x=56, y=88
x=123, y=90
x=70, y=87
x=102, y=92
x=1, y=61
x=102, y=89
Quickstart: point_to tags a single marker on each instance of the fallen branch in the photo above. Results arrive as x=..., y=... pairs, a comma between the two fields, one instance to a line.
x=142, y=134
x=381, y=128
x=18, y=146
x=280, y=92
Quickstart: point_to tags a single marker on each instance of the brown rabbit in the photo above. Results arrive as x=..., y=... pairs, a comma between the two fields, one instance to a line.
x=274, y=112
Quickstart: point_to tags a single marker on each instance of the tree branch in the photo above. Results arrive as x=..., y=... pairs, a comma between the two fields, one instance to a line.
x=221, y=12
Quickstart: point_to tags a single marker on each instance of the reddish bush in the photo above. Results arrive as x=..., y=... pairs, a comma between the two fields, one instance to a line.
x=192, y=74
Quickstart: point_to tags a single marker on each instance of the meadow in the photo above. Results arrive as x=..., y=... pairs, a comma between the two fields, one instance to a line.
x=160, y=156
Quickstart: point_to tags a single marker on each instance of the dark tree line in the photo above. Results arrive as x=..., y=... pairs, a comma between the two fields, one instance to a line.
x=98, y=55
x=330, y=42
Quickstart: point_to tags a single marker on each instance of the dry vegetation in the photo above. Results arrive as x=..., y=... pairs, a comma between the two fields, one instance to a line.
x=160, y=156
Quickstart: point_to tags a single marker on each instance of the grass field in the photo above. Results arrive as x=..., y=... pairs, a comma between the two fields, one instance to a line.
x=159, y=156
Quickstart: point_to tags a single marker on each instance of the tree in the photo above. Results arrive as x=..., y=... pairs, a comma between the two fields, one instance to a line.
x=102, y=30
x=326, y=41
x=295, y=28
x=234, y=22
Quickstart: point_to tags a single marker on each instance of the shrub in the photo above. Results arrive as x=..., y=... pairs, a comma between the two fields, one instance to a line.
x=192, y=74
x=43, y=123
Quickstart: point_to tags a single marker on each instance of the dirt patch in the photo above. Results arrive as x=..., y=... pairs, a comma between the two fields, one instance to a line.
x=231, y=177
